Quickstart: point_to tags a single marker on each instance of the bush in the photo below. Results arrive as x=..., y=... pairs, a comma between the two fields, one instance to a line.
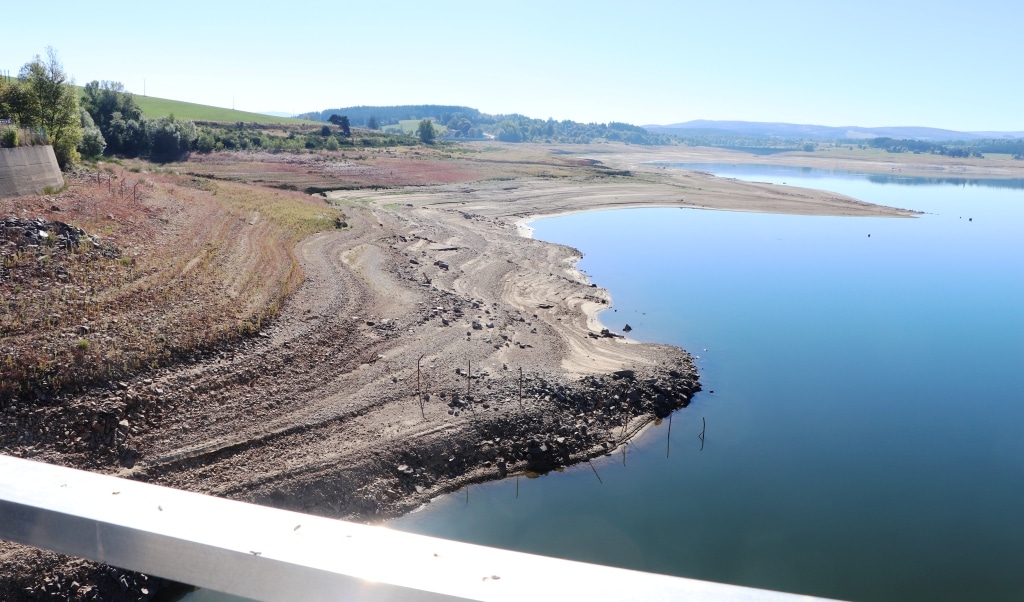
x=171, y=138
x=9, y=138
x=66, y=150
x=206, y=143
x=92, y=142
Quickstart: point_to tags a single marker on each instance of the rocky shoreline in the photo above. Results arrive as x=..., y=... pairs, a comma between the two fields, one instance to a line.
x=483, y=421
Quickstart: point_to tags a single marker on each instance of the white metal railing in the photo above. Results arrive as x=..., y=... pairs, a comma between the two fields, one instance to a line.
x=269, y=554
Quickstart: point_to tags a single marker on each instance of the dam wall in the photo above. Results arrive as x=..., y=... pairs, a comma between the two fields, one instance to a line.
x=27, y=170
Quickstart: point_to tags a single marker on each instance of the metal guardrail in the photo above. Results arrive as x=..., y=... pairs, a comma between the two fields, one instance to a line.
x=269, y=554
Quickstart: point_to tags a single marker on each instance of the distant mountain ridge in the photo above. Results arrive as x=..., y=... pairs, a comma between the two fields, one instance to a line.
x=824, y=132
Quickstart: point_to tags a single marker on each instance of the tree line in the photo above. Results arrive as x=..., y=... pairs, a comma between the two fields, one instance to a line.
x=105, y=120
x=956, y=148
x=466, y=123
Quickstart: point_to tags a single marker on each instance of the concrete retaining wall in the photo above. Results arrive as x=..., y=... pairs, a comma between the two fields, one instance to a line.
x=28, y=170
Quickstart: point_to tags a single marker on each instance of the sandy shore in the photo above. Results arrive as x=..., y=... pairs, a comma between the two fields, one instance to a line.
x=431, y=345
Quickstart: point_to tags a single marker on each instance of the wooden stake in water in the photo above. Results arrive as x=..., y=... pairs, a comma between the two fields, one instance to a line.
x=419, y=391
x=701, y=435
x=520, y=389
x=595, y=471
x=668, y=440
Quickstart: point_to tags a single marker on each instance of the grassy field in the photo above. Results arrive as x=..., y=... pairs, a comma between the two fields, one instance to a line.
x=411, y=126
x=153, y=107
x=160, y=107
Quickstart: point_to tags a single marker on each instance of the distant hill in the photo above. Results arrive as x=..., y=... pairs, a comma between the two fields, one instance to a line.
x=467, y=123
x=822, y=132
x=358, y=116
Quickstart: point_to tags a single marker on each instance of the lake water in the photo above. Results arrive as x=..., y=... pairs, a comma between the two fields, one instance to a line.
x=865, y=436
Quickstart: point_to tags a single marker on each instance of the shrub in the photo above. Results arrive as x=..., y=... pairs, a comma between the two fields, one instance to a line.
x=92, y=142
x=206, y=143
x=9, y=138
x=66, y=149
x=171, y=138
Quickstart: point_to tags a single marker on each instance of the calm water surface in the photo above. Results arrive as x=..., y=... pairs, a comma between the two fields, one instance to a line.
x=864, y=438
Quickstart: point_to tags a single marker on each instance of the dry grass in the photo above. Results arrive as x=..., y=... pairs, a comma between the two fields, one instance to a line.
x=386, y=168
x=183, y=265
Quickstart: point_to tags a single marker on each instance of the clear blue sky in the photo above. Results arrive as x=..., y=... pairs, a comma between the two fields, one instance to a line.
x=942, y=64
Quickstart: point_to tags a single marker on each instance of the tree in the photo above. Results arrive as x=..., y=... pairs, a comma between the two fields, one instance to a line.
x=427, y=132
x=16, y=102
x=92, y=143
x=371, y=123
x=171, y=138
x=509, y=131
x=127, y=137
x=104, y=99
x=342, y=122
x=118, y=117
x=54, y=105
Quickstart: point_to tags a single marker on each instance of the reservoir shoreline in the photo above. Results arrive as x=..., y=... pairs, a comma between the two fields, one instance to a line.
x=395, y=367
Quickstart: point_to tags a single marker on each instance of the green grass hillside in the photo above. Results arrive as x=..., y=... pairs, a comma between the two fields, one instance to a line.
x=160, y=107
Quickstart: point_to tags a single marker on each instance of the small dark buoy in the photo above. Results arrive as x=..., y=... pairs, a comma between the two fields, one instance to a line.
x=711, y=391
x=970, y=219
x=869, y=236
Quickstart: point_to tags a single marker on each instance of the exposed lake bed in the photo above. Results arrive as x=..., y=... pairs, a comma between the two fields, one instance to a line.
x=863, y=439
x=432, y=289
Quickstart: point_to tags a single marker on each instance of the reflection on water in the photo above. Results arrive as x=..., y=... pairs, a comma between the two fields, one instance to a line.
x=746, y=170
x=864, y=437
